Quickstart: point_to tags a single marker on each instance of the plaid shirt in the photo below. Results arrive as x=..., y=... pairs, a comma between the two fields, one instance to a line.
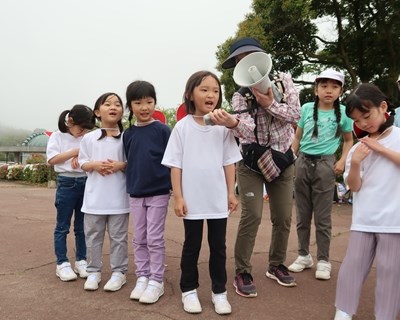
x=284, y=116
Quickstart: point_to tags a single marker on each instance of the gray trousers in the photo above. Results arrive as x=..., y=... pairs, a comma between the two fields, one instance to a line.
x=117, y=227
x=314, y=186
x=280, y=192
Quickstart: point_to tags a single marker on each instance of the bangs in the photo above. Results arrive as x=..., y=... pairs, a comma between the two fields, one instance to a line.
x=353, y=102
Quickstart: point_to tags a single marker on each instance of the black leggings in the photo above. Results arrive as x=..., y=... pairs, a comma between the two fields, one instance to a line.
x=191, y=250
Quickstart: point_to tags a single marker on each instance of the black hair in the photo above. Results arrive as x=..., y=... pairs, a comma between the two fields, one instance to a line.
x=80, y=115
x=138, y=90
x=100, y=101
x=367, y=96
x=336, y=106
x=194, y=81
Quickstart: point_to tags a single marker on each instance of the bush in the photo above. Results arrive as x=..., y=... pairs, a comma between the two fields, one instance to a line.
x=36, y=158
x=15, y=172
x=28, y=172
x=3, y=171
x=40, y=173
x=33, y=173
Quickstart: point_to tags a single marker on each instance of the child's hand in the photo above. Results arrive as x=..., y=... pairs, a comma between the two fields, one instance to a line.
x=180, y=207
x=372, y=144
x=74, y=152
x=360, y=153
x=339, y=167
x=115, y=166
x=74, y=163
x=103, y=167
x=232, y=203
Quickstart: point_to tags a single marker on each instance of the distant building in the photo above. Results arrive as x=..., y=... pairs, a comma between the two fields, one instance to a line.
x=36, y=142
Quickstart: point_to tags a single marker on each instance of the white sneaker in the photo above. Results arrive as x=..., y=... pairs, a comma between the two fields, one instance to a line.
x=117, y=280
x=323, y=270
x=221, y=303
x=65, y=272
x=92, y=281
x=141, y=285
x=191, y=303
x=153, y=292
x=301, y=263
x=80, y=268
x=341, y=315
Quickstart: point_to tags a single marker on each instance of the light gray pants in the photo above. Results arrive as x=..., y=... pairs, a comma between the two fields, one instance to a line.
x=362, y=249
x=117, y=227
x=314, y=186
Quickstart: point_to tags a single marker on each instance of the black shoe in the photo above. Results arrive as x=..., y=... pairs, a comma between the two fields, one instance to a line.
x=281, y=274
x=244, y=285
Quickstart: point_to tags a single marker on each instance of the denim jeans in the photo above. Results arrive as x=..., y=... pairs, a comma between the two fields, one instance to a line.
x=69, y=198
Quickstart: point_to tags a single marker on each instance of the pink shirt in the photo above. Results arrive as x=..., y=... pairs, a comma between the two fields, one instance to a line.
x=285, y=116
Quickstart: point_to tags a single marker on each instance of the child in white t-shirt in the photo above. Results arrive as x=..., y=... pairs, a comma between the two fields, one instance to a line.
x=62, y=152
x=105, y=201
x=202, y=160
x=372, y=169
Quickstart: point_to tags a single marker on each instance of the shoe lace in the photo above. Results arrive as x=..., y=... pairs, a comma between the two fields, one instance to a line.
x=323, y=267
x=192, y=297
x=220, y=297
x=282, y=270
x=92, y=277
x=247, y=278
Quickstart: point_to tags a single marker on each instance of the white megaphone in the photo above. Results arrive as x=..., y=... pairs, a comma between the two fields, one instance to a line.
x=253, y=70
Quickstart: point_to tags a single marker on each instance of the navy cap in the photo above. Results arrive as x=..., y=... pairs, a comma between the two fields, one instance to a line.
x=238, y=47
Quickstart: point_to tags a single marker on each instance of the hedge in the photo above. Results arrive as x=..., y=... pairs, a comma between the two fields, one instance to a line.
x=34, y=173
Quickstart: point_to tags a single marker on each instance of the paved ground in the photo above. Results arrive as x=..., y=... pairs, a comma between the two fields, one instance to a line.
x=31, y=290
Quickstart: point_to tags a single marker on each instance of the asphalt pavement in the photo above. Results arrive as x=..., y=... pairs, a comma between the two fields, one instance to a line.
x=30, y=289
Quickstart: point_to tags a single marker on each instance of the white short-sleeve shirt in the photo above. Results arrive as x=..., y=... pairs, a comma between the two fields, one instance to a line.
x=202, y=152
x=60, y=142
x=376, y=206
x=103, y=194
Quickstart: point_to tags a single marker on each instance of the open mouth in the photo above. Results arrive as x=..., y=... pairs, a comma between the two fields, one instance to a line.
x=209, y=104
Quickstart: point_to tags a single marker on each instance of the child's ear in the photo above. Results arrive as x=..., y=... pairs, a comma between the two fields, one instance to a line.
x=383, y=106
x=97, y=113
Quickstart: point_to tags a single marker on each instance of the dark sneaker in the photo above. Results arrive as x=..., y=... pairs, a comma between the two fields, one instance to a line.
x=281, y=274
x=244, y=285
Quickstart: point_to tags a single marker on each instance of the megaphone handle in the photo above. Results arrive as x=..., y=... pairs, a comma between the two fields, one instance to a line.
x=277, y=94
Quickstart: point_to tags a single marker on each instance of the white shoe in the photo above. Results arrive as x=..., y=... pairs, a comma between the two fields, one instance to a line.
x=92, y=281
x=80, y=268
x=117, y=280
x=323, y=270
x=153, y=292
x=341, y=315
x=191, y=303
x=65, y=272
x=301, y=263
x=141, y=285
x=221, y=303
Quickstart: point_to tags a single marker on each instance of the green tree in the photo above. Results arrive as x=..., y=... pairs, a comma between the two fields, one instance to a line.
x=365, y=43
